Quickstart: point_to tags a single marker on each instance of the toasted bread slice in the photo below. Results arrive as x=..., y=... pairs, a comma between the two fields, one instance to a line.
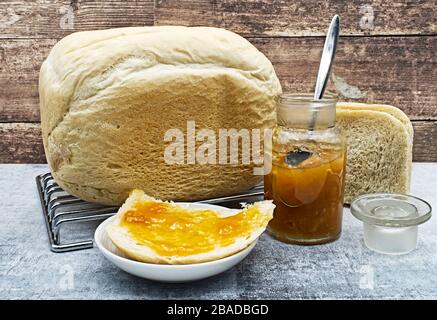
x=154, y=231
x=380, y=140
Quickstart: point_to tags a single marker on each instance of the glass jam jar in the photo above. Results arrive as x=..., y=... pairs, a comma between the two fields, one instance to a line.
x=306, y=180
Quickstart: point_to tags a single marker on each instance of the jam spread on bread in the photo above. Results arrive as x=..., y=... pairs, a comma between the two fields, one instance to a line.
x=172, y=230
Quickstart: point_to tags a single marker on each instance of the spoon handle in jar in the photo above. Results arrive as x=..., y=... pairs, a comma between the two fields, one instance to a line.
x=326, y=63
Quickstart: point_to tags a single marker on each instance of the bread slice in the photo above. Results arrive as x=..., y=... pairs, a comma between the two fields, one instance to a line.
x=379, y=157
x=395, y=112
x=181, y=235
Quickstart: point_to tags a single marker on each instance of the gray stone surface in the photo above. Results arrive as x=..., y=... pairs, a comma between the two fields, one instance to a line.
x=343, y=269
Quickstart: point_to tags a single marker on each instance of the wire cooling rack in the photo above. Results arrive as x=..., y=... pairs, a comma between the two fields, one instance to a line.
x=64, y=211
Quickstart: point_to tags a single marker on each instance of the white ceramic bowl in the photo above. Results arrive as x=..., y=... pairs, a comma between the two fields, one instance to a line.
x=163, y=272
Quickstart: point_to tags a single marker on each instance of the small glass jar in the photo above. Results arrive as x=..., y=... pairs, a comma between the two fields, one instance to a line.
x=306, y=180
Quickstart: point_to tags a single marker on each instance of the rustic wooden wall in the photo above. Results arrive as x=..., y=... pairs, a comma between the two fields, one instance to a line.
x=387, y=52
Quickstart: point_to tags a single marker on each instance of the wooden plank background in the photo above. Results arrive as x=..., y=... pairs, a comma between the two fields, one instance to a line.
x=387, y=52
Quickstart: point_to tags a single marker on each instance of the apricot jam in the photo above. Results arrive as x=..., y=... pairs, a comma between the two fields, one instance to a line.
x=172, y=230
x=308, y=195
x=306, y=180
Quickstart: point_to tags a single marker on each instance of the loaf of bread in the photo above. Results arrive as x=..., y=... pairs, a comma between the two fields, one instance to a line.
x=379, y=156
x=150, y=230
x=108, y=97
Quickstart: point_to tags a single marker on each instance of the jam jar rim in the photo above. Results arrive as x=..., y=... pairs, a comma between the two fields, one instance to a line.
x=299, y=97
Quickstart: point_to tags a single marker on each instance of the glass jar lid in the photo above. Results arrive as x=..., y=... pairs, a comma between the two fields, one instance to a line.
x=391, y=209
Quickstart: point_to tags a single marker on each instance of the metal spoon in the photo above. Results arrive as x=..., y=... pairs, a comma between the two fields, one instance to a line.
x=325, y=64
